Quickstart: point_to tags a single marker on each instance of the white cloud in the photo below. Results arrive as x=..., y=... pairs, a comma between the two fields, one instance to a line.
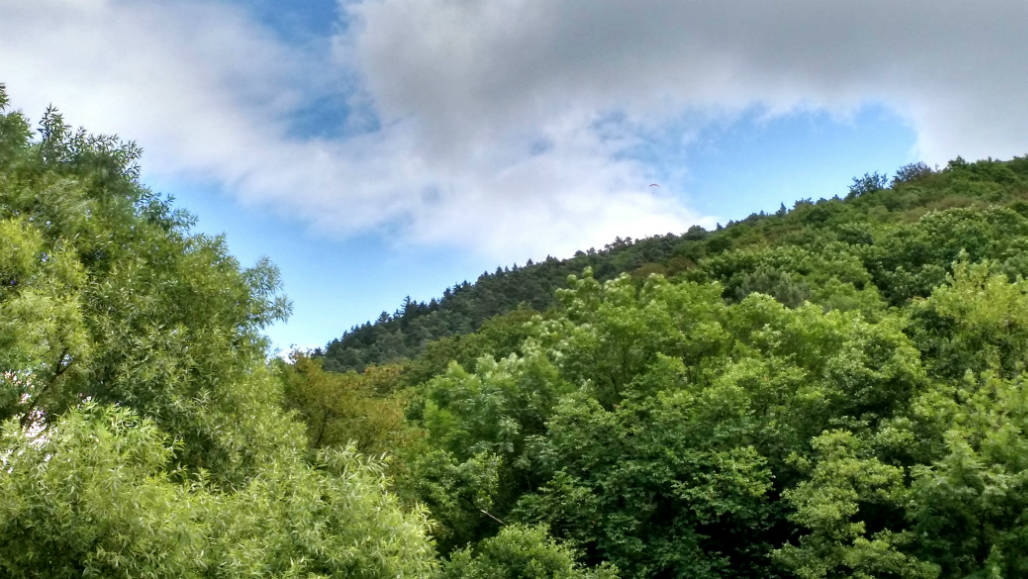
x=475, y=70
x=204, y=90
x=502, y=124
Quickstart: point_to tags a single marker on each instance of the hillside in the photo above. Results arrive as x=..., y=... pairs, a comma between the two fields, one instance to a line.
x=875, y=207
x=837, y=390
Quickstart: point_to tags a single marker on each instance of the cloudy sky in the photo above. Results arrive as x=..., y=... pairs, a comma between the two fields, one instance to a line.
x=382, y=148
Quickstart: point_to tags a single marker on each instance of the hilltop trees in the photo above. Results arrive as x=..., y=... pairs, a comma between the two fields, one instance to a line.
x=881, y=230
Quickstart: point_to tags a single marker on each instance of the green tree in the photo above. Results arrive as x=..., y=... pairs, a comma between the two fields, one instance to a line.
x=850, y=504
x=968, y=505
x=520, y=552
x=143, y=433
x=108, y=296
x=339, y=409
x=94, y=497
x=869, y=183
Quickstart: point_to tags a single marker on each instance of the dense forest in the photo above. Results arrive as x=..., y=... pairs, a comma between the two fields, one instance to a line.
x=835, y=390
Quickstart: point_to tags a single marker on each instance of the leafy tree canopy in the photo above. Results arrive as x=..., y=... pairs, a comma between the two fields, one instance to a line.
x=143, y=433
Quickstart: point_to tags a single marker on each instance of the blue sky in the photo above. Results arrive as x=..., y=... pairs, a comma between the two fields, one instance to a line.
x=375, y=149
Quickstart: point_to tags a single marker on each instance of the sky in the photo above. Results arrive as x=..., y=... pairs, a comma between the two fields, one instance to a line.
x=377, y=149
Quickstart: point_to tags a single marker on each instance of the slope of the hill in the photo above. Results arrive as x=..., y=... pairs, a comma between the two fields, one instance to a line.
x=835, y=391
x=874, y=204
x=464, y=307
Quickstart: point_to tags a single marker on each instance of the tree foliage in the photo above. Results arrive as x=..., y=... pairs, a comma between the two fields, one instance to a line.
x=143, y=432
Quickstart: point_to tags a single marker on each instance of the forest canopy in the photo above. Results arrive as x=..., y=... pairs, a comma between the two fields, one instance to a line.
x=834, y=390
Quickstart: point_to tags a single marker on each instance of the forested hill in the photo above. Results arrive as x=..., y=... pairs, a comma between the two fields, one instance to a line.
x=838, y=390
x=835, y=391
x=871, y=224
